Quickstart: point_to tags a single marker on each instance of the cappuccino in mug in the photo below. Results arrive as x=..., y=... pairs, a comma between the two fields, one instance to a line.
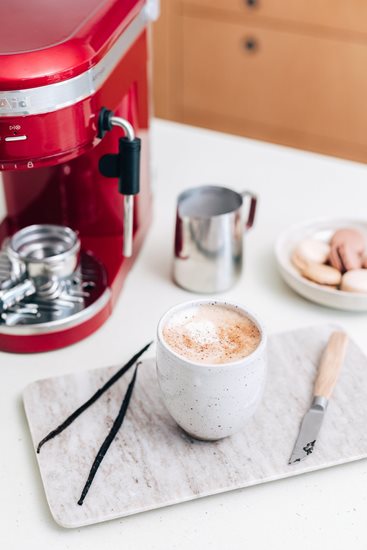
x=211, y=333
x=211, y=363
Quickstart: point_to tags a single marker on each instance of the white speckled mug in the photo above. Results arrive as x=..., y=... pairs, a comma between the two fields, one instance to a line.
x=210, y=401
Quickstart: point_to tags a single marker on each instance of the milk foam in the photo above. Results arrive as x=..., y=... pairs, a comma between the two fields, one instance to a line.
x=211, y=333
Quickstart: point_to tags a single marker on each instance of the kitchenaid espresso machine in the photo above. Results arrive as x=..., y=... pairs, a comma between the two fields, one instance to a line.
x=74, y=120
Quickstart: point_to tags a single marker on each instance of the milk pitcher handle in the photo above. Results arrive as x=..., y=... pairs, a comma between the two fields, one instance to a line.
x=252, y=199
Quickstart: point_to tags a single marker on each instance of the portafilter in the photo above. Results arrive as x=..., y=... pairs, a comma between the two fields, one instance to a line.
x=41, y=256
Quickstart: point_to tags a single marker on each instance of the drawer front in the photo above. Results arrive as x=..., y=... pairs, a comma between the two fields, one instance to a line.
x=350, y=15
x=299, y=82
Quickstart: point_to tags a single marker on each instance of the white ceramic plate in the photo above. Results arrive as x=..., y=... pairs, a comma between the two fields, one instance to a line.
x=321, y=229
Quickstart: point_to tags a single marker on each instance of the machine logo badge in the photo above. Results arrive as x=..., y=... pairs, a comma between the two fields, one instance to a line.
x=4, y=103
x=13, y=103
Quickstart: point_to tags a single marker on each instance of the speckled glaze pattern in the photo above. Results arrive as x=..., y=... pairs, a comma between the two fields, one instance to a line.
x=210, y=402
x=153, y=463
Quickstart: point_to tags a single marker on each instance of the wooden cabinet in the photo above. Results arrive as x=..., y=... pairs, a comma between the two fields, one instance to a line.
x=273, y=71
x=345, y=15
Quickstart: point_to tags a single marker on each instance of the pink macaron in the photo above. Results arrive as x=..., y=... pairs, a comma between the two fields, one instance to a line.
x=350, y=237
x=347, y=246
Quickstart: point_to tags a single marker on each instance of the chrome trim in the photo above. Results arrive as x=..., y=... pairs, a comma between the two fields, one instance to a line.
x=319, y=403
x=125, y=125
x=63, y=324
x=127, y=249
x=153, y=9
x=53, y=97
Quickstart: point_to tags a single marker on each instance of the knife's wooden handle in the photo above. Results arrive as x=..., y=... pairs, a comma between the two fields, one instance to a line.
x=331, y=363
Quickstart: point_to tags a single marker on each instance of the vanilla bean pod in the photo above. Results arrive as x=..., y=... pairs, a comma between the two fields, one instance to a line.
x=93, y=398
x=110, y=437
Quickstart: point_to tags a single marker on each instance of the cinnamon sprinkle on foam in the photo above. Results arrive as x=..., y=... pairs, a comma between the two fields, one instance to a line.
x=212, y=334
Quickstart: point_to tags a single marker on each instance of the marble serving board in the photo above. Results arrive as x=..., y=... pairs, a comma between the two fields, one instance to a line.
x=152, y=463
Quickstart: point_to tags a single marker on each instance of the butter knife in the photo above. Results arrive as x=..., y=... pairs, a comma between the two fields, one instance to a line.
x=328, y=372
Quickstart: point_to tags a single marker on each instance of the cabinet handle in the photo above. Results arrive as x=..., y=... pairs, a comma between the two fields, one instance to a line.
x=252, y=3
x=250, y=44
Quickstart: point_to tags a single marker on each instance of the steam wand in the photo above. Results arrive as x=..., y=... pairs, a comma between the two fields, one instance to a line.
x=124, y=165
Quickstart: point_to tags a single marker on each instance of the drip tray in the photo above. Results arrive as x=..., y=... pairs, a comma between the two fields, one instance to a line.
x=76, y=299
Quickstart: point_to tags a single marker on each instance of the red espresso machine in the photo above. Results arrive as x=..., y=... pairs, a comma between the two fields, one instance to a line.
x=74, y=115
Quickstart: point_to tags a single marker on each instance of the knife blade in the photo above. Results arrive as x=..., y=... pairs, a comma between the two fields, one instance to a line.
x=328, y=372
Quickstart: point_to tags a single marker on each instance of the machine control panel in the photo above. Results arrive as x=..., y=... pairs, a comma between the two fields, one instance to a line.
x=14, y=145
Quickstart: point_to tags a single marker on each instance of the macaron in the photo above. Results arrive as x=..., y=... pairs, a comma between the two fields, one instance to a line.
x=297, y=261
x=351, y=237
x=364, y=261
x=345, y=257
x=322, y=274
x=310, y=251
x=355, y=281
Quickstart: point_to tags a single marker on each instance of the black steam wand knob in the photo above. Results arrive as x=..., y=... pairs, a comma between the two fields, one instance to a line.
x=125, y=165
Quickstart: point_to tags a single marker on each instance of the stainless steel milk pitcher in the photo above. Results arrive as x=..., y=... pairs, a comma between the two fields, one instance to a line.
x=210, y=224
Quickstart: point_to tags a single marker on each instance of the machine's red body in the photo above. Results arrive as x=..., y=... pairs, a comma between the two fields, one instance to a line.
x=78, y=55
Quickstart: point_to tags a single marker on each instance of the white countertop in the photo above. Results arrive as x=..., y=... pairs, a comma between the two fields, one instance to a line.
x=325, y=509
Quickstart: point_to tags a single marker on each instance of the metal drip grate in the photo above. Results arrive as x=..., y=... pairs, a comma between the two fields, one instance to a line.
x=58, y=305
x=5, y=271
